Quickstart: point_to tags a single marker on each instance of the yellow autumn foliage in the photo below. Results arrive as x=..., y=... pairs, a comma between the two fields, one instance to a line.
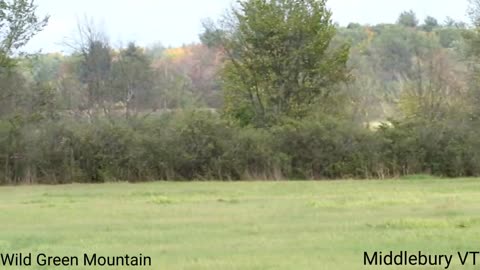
x=176, y=53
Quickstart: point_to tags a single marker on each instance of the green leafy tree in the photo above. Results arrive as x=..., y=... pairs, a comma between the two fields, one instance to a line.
x=21, y=102
x=18, y=24
x=393, y=50
x=430, y=24
x=474, y=12
x=212, y=37
x=472, y=39
x=132, y=78
x=279, y=59
x=408, y=19
x=450, y=37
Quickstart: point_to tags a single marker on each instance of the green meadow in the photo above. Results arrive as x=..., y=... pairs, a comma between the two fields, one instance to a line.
x=243, y=225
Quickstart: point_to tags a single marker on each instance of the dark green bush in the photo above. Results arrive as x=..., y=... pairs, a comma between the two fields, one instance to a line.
x=326, y=148
x=439, y=148
x=202, y=146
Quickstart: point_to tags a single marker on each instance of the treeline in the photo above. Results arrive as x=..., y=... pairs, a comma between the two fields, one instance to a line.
x=194, y=145
x=263, y=96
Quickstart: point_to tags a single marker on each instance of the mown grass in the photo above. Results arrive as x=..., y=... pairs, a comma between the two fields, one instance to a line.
x=246, y=225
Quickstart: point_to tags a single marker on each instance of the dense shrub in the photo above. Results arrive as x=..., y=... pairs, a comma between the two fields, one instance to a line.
x=196, y=146
x=326, y=148
x=202, y=146
x=441, y=148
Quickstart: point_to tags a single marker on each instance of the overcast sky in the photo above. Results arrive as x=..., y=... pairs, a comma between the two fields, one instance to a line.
x=177, y=22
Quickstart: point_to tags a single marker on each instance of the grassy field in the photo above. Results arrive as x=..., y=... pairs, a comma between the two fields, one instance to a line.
x=248, y=225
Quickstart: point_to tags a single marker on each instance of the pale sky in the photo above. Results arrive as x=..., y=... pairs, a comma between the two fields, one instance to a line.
x=177, y=22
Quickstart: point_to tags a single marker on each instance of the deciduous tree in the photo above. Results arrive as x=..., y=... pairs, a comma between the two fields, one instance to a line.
x=279, y=59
